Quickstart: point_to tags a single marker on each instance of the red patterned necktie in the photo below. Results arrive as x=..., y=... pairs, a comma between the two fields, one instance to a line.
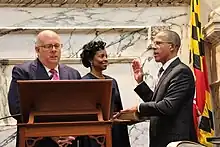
x=55, y=74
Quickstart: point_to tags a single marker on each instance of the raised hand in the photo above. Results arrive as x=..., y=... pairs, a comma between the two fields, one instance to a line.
x=137, y=70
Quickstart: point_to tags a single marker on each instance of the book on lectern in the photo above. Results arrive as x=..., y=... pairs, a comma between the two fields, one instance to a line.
x=132, y=116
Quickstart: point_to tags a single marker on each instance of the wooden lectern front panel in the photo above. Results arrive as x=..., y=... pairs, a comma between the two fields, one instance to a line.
x=65, y=96
x=62, y=108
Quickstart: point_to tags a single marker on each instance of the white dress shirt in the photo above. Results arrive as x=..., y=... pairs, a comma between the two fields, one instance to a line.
x=49, y=73
x=167, y=64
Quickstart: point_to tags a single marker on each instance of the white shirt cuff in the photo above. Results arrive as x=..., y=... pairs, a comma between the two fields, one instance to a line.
x=138, y=107
x=140, y=82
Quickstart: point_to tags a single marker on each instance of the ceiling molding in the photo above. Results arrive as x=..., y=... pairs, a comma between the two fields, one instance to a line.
x=91, y=3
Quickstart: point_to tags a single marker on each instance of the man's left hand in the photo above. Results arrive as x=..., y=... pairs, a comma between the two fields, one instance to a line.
x=132, y=109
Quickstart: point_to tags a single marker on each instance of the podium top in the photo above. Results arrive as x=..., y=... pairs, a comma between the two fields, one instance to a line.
x=64, y=96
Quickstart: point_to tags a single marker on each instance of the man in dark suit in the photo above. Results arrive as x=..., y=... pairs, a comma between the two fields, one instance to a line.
x=45, y=67
x=169, y=107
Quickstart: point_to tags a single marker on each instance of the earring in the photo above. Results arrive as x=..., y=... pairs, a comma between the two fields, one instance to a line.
x=90, y=63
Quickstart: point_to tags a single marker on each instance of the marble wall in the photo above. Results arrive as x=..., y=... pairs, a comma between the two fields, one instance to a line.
x=127, y=31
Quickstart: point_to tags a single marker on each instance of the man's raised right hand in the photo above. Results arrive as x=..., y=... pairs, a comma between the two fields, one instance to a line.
x=137, y=70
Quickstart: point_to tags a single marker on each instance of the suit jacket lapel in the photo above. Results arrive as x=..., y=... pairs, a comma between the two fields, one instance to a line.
x=63, y=73
x=38, y=71
x=166, y=72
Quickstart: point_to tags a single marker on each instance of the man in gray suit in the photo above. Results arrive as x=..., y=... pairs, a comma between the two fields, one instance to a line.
x=45, y=67
x=169, y=107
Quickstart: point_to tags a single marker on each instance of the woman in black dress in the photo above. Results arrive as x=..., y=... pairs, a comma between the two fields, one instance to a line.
x=94, y=56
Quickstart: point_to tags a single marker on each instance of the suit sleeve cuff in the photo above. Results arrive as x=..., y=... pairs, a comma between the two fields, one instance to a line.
x=140, y=83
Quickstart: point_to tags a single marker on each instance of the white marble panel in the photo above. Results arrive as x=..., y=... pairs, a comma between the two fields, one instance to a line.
x=126, y=30
x=7, y=136
x=120, y=42
x=5, y=77
x=92, y=17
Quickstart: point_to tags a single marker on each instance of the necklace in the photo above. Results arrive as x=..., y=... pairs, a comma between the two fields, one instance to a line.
x=99, y=77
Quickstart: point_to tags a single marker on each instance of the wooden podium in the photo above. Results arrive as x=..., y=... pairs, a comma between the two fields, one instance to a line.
x=65, y=108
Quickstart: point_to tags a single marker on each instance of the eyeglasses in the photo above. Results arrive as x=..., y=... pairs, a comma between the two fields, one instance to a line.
x=162, y=42
x=57, y=46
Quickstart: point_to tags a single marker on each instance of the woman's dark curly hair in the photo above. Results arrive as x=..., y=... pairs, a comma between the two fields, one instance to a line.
x=89, y=51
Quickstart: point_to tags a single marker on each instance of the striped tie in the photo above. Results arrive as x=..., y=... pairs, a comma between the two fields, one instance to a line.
x=55, y=74
x=160, y=71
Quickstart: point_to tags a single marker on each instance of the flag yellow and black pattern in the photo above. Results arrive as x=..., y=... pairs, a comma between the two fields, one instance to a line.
x=202, y=108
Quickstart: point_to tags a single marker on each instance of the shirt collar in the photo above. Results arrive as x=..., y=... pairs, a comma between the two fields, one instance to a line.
x=165, y=66
x=48, y=70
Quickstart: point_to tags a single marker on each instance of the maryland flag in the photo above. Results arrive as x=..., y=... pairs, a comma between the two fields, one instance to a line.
x=202, y=108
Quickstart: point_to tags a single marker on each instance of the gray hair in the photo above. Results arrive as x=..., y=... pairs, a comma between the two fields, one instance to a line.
x=173, y=37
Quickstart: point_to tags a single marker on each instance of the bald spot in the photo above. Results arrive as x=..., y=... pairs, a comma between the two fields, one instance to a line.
x=45, y=35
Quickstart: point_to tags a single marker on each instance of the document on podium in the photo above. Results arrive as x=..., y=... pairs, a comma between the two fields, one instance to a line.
x=127, y=116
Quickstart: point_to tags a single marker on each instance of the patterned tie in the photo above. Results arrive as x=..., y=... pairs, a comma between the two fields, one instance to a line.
x=55, y=74
x=160, y=71
x=158, y=77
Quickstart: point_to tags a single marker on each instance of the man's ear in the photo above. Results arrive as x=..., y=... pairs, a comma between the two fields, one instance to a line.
x=37, y=49
x=172, y=47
